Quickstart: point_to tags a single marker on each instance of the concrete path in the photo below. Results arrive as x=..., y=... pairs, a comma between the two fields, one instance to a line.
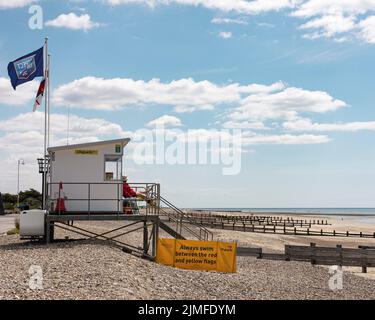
x=6, y=222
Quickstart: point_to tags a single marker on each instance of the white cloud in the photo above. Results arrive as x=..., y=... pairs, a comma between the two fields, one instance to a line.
x=254, y=125
x=308, y=125
x=367, y=29
x=228, y=21
x=73, y=22
x=79, y=126
x=22, y=137
x=239, y=6
x=341, y=20
x=165, y=121
x=24, y=93
x=285, y=139
x=266, y=24
x=225, y=34
x=312, y=8
x=251, y=104
x=185, y=95
x=329, y=25
x=337, y=17
x=285, y=104
x=11, y=4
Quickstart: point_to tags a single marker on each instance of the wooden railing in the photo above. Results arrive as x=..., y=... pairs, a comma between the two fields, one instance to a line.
x=363, y=256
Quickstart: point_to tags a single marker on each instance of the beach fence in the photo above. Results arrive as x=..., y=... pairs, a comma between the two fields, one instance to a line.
x=275, y=226
x=363, y=256
x=256, y=220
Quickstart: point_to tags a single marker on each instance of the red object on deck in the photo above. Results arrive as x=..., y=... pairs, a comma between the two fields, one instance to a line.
x=60, y=203
x=127, y=191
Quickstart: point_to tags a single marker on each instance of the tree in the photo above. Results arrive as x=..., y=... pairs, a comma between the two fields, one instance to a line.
x=31, y=197
x=9, y=198
x=30, y=194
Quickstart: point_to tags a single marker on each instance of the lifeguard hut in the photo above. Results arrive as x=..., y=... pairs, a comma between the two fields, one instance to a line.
x=88, y=178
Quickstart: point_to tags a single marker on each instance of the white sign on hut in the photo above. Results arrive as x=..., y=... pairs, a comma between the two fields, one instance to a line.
x=91, y=175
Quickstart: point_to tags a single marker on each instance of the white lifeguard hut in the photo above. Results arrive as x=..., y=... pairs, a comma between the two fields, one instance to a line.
x=90, y=175
x=87, y=179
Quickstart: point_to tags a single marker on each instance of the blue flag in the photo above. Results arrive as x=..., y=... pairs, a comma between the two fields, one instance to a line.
x=26, y=68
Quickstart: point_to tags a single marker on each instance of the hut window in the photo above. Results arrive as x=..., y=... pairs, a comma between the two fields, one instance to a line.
x=112, y=167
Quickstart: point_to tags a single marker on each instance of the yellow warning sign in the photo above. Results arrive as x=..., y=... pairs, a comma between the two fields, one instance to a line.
x=197, y=255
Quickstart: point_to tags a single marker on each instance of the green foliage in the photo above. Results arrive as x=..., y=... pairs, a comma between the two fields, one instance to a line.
x=9, y=206
x=13, y=231
x=30, y=194
x=9, y=198
x=31, y=197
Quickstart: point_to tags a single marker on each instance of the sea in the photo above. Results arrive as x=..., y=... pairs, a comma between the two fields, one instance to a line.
x=365, y=215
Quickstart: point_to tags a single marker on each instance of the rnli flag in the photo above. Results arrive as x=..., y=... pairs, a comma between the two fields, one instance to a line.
x=26, y=68
x=39, y=95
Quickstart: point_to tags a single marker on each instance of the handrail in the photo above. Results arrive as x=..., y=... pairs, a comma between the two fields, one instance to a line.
x=180, y=217
x=151, y=191
x=152, y=199
x=173, y=218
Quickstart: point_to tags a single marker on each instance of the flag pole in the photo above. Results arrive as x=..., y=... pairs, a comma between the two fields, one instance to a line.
x=68, y=127
x=44, y=187
x=48, y=98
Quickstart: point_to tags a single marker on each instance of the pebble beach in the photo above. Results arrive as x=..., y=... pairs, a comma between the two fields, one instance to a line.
x=98, y=270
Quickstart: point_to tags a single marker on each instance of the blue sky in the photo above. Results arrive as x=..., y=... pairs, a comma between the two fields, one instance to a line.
x=295, y=76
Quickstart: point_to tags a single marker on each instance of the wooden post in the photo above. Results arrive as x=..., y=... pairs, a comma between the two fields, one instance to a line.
x=52, y=232
x=48, y=230
x=339, y=248
x=312, y=253
x=145, y=238
x=287, y=253
x=364, y=259
x=154, y=239
x=295, y=230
